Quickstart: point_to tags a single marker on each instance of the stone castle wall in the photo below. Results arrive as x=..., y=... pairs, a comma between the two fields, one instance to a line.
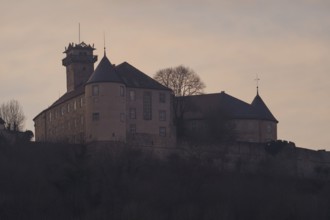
x=285, y=159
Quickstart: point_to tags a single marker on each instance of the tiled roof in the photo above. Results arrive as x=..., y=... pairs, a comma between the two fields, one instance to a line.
x=200, y=105
x=67, y=96
x=134, y=78
x=123, y=73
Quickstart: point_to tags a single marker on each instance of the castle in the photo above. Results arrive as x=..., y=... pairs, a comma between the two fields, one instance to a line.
x=110, y=103
x=121, y=103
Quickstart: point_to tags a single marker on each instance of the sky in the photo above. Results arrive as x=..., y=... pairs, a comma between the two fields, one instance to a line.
x=227, y=43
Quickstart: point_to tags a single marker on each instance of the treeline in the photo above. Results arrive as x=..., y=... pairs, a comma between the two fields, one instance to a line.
x=60, y=181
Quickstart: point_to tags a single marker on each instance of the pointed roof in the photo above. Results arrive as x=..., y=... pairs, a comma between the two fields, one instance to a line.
x=125, y=74
x=234, y=107
x=105, y=72
x=262, y=110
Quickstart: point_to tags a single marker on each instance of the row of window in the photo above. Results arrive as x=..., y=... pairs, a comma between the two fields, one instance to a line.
x=132, y=127
x=71, y=106
x=147, y=115
x=132, y=115
x=132, y=94
x=68, y=125
x=162, y=130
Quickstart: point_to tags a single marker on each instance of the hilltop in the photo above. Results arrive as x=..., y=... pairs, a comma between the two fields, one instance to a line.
x=62, y=181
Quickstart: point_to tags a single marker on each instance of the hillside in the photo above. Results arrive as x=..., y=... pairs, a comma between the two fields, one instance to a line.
x=59, y=181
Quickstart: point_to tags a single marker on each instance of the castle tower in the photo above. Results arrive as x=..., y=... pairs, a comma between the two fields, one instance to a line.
x=105, y=104
x=79, y=63
x=267, y=121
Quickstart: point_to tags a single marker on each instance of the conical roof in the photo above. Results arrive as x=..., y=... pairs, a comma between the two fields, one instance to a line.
x=262, y=110
x=104, y=72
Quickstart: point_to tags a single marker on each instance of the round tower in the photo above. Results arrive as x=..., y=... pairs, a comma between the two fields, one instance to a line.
x=267, y=123
x=79, y=63
x=105, y=95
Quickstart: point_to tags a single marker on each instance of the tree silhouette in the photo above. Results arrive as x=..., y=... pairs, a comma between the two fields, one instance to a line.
x=12, y=113
x=184, y=82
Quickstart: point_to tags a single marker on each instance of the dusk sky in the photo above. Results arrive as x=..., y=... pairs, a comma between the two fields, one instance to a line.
x=287, y=43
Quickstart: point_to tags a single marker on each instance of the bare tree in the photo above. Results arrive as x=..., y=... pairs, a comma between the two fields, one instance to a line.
x=184, y=82
x=12, y=113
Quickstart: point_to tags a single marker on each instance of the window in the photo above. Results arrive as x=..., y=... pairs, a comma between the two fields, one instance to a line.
x=95, y=90
x=122, y=117
x=68, y=107
x=162, y=131
x=147, y=108
x=122, y=91
x=132, y=128
x=132, y=113
x=193, y=125
x=269, y=128
x=162, y=97
x=162, y=115
x=95, y=116
x=75, y=105
x=50, y=116
x=132, y=95
x=62, y=111
x=81, y=102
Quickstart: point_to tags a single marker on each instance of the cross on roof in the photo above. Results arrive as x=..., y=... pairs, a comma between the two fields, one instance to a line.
x=257, y=81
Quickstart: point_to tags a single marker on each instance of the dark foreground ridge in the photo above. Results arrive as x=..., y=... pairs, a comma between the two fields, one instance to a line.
x=60, y=181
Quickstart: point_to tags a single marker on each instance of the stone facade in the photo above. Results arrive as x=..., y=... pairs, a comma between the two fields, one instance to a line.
x=64, y=122
x=121, y=103
x=114, y=103
x=235, y=119
x=79, y=63
x=257, y=131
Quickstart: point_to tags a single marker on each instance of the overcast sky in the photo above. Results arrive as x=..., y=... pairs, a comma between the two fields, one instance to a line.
x=287, y=43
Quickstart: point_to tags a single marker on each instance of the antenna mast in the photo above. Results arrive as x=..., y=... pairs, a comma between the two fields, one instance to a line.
x=79, y=32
